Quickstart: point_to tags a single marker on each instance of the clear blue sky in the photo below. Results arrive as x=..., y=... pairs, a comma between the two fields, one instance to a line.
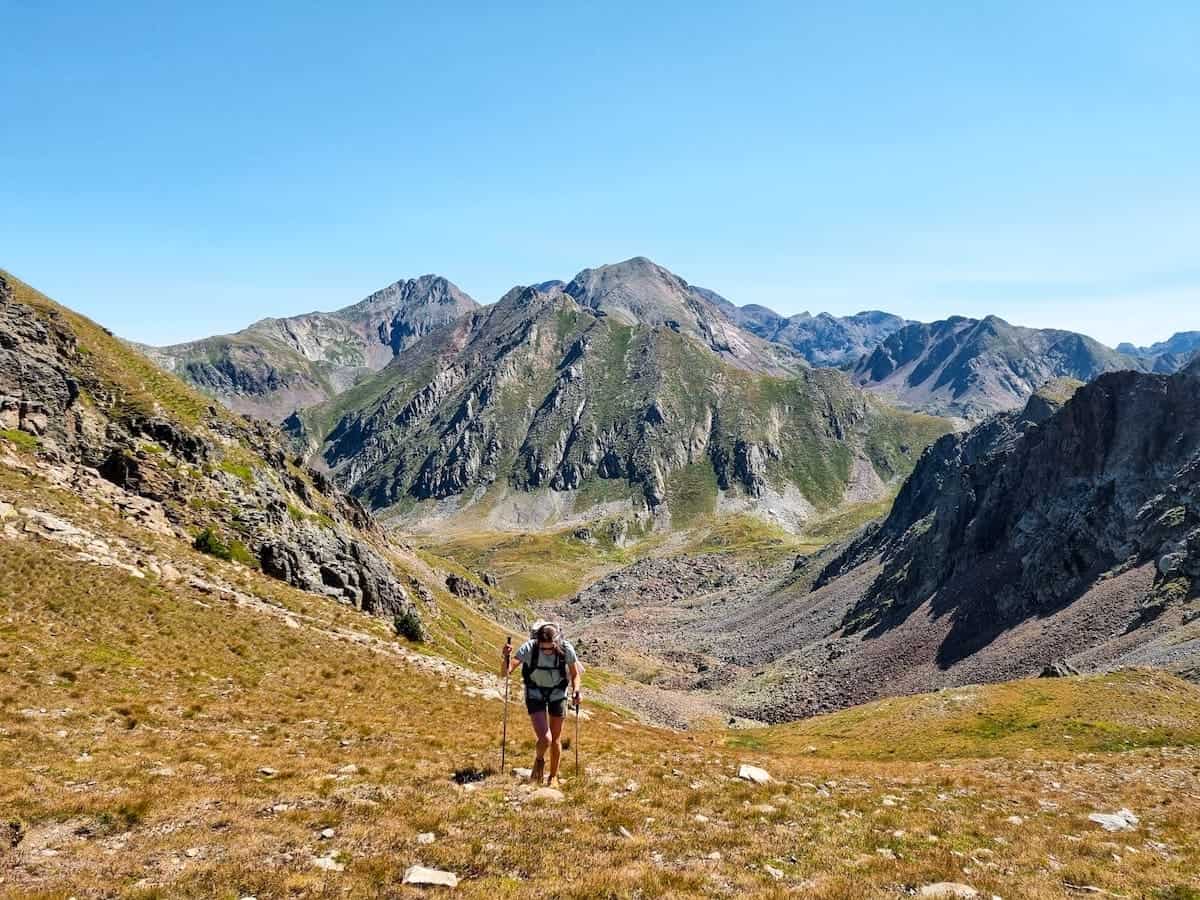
x=179, y=172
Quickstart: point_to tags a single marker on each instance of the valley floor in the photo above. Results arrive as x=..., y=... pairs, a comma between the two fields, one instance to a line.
x=169, y=738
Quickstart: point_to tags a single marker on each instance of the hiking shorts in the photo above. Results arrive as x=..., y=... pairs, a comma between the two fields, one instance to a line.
x=555, y=708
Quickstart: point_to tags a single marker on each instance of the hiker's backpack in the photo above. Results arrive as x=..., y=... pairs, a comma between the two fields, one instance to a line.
x=538, y=660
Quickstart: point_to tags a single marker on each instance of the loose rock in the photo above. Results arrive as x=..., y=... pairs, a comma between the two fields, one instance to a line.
x=948, y=889
x=754, y=774
x=422, y=875
x=1121, y=820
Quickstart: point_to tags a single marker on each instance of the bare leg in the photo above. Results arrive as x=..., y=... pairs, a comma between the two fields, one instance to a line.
x=541, y=730
x=556, y=727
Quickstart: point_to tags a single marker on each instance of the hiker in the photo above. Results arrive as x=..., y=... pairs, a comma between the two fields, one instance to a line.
x=550, y=670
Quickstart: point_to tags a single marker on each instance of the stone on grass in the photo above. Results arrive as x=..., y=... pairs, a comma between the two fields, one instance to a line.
x=548, y=794
x=1121, y=820
x=350, y=769
x=327, y=834
x=268, y=771
x=523, y=773
x=328, y=863
x=948, y=889
x=425, y=837
x=624, y=832
x=753, y=773
x=775, y=873
x=422, y=875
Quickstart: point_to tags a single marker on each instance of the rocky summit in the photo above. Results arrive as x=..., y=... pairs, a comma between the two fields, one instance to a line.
x=601, y=400
x=971, y=368
x=276, y=366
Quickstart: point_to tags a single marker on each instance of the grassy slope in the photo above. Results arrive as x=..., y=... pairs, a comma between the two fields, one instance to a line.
x=145, y=389
x=136, y=717
x=1046, y=716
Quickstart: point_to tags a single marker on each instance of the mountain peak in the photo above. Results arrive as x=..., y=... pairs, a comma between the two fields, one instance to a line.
x=638, y=291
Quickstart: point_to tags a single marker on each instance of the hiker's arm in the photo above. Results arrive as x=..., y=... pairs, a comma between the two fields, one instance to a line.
x=575, y=670
x=510, y=662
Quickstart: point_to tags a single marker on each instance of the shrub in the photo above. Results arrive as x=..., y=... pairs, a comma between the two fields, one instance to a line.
x=408, y=625
x=209, y=542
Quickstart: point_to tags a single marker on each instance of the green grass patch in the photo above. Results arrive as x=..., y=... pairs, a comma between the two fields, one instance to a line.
x=20, y=439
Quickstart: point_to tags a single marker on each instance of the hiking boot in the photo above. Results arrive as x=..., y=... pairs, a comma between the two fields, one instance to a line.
x=553, y=782
x=539, y=767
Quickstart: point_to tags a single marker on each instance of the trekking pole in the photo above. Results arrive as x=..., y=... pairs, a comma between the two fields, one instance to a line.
x=504, y=732
x=576, y=738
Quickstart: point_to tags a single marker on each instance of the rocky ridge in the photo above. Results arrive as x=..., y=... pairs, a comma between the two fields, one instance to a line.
x=971, y=368
x=823, y=339
x=82, y=404
x=1166, y=356
x=276, y=366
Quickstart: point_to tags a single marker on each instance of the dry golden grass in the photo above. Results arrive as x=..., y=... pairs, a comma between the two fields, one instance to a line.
x=136, y=718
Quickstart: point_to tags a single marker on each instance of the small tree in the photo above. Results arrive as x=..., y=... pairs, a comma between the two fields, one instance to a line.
x=409, y=625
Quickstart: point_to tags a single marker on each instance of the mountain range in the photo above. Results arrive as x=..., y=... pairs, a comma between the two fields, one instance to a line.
x=619, y=395
x=106, y=426
x=1065, y=531
x=962, y=368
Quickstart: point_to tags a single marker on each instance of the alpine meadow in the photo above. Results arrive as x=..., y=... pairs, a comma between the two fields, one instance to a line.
x=377, y=521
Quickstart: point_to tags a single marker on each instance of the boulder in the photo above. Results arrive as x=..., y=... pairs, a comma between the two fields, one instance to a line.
x=1121, y=820
x=754, y=774
x=548, y=795
x=423, y=876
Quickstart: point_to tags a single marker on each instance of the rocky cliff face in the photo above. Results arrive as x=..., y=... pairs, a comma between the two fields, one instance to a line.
x=1042, y=504
x=81, y=402
x=279, y=365
x=972, y=368
x=541, y=408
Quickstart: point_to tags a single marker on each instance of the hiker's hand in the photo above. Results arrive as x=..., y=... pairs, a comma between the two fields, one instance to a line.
x=575, y=700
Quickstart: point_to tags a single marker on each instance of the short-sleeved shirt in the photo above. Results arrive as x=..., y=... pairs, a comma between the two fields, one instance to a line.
x=546, y=678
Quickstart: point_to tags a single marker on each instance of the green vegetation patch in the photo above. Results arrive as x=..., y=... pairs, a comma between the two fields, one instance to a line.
x=21, y=439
